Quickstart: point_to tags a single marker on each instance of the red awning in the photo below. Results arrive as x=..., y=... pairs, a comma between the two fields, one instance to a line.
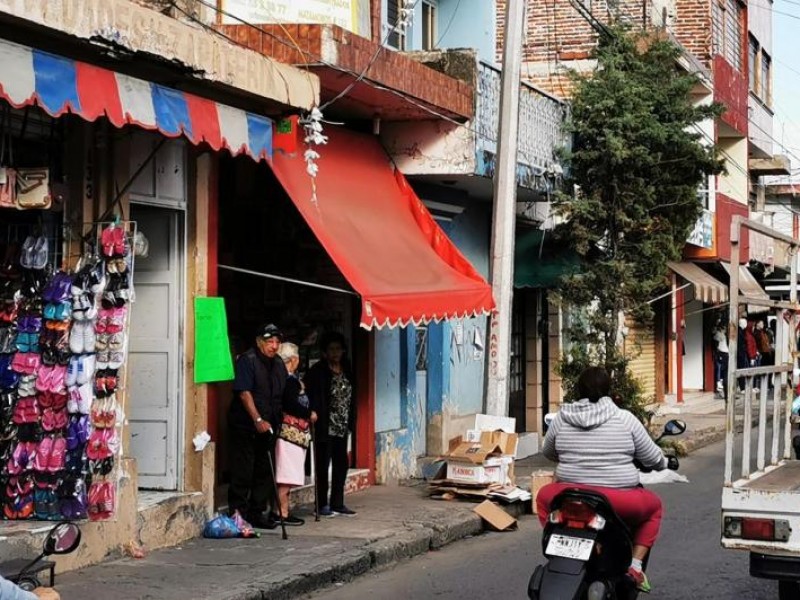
x=381, y=236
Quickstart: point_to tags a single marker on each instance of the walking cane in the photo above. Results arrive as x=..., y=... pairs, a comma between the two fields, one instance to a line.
x=277, y=496
x=314, y=463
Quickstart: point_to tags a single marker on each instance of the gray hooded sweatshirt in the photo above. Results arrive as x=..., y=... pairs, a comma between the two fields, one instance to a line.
x=595, y=443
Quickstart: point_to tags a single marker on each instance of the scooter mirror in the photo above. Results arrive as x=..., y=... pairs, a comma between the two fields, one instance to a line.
x=674, y=427
x=62, y=539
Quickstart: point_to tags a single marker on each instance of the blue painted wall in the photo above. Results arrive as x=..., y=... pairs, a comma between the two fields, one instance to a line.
x=454, y=371
x=468, y=24
x=464, y=388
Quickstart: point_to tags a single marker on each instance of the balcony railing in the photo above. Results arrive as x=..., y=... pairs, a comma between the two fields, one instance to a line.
x=541, y=122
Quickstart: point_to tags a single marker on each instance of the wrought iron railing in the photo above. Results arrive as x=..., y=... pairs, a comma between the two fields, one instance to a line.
x=541, y=120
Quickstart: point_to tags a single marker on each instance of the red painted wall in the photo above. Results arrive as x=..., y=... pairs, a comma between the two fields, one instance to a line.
x=727, y=208
x=731, y=90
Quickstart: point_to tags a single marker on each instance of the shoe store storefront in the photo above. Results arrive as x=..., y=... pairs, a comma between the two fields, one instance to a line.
x=104, y=240
x=351, y=249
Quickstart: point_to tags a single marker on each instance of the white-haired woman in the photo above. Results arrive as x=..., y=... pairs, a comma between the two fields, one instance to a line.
x=295, y=434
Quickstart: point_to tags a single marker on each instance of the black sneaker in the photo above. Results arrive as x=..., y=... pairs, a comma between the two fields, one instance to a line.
x=293, y=521
x=262, y=522
x=343, y=510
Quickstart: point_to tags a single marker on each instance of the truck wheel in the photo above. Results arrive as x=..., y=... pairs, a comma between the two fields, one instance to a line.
x=788, y=590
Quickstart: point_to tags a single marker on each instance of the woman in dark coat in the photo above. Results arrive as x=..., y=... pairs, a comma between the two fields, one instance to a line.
x=330, y=387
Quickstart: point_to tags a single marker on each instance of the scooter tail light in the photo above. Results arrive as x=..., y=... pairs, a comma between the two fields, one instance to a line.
x=579, y=515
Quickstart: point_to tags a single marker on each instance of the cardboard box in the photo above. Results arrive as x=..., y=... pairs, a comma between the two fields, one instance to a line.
x=457, y=471
x=495, y=423
x=539, y=479
x=507, y=441
x=472, y=435
x=507, y=463
x=475, y=463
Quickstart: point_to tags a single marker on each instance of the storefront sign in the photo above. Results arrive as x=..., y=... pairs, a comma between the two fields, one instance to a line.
x=703, y=233
x=344, y=13
x=212, y=350
x=142, y=29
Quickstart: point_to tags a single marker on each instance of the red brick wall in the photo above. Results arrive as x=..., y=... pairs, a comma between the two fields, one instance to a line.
x=557, y=33
x=693, y=28
x=302, y=44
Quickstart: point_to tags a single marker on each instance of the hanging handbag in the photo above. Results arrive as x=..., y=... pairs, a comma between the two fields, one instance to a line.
x=33, y=188
x=8, y=179
x=296, y=431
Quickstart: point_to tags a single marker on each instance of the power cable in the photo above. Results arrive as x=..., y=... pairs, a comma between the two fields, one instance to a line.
x=449, y=24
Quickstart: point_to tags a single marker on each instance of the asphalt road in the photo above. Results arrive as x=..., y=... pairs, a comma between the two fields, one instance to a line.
x=687, y=564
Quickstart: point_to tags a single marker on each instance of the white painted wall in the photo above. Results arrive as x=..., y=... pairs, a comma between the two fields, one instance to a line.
x=430, y=147
x=693, y=343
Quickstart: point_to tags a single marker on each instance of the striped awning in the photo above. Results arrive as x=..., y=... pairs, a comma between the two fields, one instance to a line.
x=707, y=288
x=749, y=288
x=61, y=85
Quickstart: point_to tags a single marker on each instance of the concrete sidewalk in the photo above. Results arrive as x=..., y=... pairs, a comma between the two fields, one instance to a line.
x=393, y=523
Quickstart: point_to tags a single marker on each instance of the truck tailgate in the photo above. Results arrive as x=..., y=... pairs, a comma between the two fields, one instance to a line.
x=774, y=494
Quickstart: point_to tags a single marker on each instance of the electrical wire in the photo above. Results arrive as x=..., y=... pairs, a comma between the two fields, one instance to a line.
x=394, y=28
x=449, y=24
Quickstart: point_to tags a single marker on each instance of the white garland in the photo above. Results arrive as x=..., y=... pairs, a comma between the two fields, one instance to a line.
x=312, y=123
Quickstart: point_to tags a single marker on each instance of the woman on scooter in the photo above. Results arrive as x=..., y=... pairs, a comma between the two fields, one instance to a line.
x=595, y=444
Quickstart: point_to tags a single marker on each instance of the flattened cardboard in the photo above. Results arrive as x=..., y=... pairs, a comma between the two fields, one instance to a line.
x=495, y=516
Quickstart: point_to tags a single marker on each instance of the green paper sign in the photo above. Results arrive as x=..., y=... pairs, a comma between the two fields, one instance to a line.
x=212, y=352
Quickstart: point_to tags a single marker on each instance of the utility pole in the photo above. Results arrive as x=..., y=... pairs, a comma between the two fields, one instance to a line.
x=504, y=214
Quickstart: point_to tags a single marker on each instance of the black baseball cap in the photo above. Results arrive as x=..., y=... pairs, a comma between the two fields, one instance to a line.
x=269, y=330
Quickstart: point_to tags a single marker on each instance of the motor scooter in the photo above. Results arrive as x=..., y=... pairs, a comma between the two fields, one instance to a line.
x=63, y=538
x=587, y=546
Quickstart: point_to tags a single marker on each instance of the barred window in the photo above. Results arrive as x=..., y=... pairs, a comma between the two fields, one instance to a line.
x=727, y=31
x=765, y=91
x=752, y=64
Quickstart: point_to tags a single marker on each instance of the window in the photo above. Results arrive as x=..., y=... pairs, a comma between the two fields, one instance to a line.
x=765, y=91
x=752, y=64
x=397, y=38
x=727, y=31
x=429, y=16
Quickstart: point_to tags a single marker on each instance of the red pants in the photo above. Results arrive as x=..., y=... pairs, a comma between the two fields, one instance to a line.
x=638, y=507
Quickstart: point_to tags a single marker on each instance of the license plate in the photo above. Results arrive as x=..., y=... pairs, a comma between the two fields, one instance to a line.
x=569, y=547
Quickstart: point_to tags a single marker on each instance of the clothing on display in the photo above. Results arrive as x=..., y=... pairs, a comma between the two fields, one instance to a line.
x=63, y=345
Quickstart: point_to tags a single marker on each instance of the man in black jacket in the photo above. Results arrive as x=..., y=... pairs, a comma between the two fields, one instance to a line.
x=255, y=418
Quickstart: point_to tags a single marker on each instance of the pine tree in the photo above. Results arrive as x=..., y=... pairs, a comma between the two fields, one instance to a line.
x=637, y=162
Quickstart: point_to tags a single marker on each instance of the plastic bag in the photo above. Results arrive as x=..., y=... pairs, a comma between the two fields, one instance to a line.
x=221, y=527
x=796, y=406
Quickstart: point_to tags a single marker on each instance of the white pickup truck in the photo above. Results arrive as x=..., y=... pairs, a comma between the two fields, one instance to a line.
x=761, y=497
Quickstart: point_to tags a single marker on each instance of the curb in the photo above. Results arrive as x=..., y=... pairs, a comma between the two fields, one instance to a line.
x=423, y=538
x=700, y=439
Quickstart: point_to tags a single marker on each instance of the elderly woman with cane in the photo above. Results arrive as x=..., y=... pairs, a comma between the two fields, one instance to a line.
x=295, y=434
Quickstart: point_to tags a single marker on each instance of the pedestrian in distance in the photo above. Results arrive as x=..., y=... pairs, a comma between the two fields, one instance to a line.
x=295, y=434
x=722, y=353
x=330, y=387
x=255, y=418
